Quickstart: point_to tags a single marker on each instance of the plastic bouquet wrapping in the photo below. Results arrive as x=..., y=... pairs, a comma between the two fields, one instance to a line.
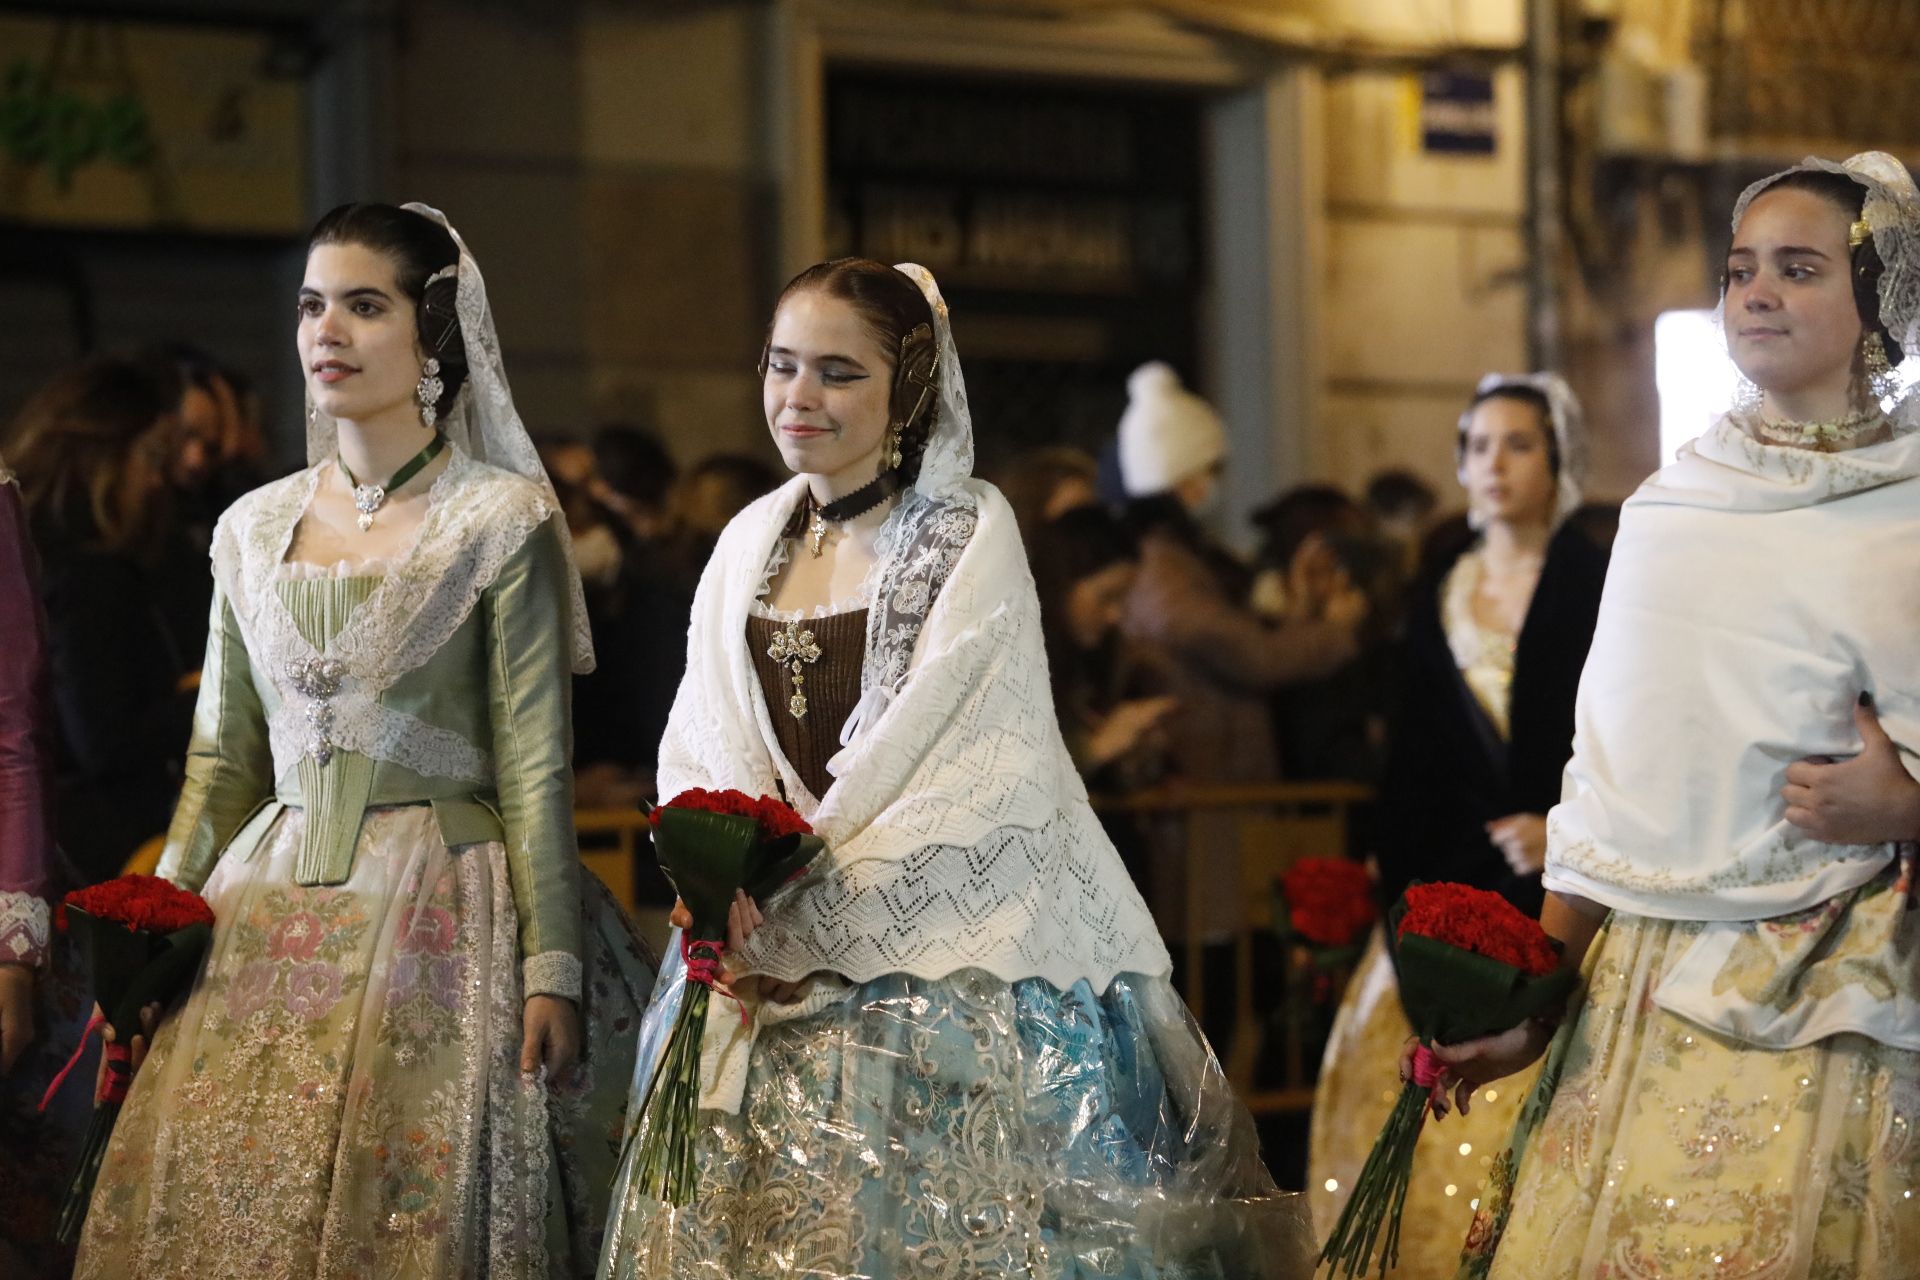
x=143, y=938
x=1470, y=965
x=710, y=844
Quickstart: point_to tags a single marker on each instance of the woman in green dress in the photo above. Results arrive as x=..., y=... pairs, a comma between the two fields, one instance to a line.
x=406, y=1052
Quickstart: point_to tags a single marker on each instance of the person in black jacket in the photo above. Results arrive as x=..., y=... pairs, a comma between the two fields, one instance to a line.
x=1496, y=636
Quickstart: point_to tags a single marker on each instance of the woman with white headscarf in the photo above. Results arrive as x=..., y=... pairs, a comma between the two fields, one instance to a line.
x=1735, y=1088
x=960, y=1055
x=1494, y=645
x=409, y=1042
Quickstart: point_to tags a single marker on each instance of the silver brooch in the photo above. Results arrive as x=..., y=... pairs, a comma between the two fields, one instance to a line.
x=319, y=679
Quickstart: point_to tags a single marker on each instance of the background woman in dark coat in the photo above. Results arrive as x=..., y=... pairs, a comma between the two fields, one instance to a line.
x=1496, y=638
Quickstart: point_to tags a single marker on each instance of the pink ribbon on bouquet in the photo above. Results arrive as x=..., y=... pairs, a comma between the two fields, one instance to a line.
x=1427, y=1069
x=705, y=969
x=119, y=1067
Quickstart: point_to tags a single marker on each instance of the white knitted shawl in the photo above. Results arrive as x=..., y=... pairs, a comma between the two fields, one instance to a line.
x=958, y=830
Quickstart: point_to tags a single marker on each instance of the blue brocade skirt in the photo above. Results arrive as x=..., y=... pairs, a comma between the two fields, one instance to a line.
x=968, y=1127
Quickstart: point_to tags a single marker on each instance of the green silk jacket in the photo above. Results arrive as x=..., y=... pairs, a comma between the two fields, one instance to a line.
x=452, y=690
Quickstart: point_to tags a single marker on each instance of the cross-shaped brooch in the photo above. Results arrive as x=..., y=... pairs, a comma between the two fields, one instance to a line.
x=797, y=649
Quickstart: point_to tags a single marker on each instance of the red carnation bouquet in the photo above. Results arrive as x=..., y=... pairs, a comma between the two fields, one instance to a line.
x=1327, y=905
x=710, y=844
x=1470, y=965
x=1323, y=910
x=143, y=938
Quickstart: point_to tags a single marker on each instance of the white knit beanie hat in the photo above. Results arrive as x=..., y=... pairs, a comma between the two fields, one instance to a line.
x=1167, y=432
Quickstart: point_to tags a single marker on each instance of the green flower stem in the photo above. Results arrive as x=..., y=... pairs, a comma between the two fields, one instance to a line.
x=1380, y=1193
x=79, y=1197
x=664, y=1165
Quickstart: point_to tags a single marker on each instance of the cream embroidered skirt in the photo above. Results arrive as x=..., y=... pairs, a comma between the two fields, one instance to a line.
x=1652, y=1147
x=340, y=1094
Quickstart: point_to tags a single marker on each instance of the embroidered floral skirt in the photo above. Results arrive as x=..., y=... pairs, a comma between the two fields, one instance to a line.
x=1652, y=1147
x=969, y=1128
x=340, y=1093
x=1359, y=1082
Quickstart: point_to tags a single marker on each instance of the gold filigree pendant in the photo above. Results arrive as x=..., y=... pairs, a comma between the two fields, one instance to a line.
x=796, y=650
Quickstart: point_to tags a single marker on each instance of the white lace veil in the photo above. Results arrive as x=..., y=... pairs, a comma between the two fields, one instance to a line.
x=1569, y=426
x=948, y=459
x=1892, y=215
x=483, y=423
x=919, y=542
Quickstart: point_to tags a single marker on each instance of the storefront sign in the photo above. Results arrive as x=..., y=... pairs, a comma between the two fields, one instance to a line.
x=1456, y=112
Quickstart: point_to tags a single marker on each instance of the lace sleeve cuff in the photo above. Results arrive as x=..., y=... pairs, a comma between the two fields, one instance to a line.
x=552, y=973
x=24, y=931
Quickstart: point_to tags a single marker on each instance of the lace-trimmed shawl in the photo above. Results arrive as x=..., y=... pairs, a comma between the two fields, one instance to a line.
x=477, y=517
x=960, y=833
x=1715, y=667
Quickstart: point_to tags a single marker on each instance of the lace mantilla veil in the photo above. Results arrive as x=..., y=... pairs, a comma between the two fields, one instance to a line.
x=483, y=423
x=1892, y=215
x=949, y=455
x=925, y=529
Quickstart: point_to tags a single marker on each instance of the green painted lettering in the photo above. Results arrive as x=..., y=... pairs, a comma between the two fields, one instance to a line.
x=65, y=132
x=73, y=137
x=126, y=136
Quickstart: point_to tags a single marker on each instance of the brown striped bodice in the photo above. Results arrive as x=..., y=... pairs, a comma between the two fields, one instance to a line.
x=829, y=653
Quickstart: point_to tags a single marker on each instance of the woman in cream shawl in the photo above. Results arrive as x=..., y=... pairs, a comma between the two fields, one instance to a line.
x=1736, y=1089
x=961, y=1057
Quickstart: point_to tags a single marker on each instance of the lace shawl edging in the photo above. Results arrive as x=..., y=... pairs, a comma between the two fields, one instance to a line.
x=25, y=931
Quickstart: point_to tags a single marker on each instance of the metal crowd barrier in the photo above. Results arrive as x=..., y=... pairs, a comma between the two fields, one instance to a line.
x=1270, y=826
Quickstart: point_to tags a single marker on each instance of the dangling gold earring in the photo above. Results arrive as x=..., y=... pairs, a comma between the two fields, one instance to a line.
x=894, y=432
x=1881, y=379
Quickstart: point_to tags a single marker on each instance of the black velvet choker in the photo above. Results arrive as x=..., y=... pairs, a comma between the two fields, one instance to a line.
x=813, y=520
